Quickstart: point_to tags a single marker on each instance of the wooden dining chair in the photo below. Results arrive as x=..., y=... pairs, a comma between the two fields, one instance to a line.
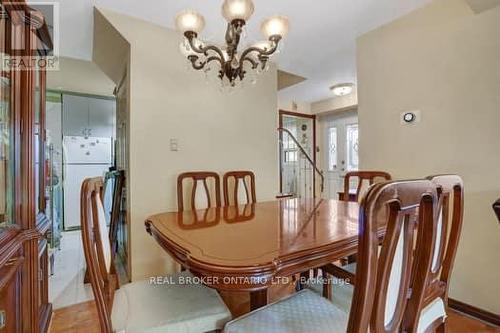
x=363, y=180
x=118, y=179
x=427, y=309
x=118, y=184
x=202, y=194
x=242, y=184
x=381, y=292
x=347, y=266
x=141, y=306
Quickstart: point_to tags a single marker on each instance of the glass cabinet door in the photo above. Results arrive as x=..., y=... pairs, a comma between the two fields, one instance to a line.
x=41, y=151
x=7, y=156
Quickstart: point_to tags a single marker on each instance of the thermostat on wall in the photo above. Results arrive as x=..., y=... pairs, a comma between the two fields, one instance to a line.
x=410, y=117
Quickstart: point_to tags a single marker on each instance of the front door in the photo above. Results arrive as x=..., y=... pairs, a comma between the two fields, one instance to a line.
x=341, y=153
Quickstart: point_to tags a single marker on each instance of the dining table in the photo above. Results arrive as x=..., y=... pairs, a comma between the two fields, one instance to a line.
x=248, y=248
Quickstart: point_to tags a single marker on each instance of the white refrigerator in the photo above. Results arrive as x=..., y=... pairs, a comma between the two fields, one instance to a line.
x=84, y=157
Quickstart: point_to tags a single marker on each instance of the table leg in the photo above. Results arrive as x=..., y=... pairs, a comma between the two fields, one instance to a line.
x=258, y=299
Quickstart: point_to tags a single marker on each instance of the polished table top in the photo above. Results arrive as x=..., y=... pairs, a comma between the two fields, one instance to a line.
x=270, y=238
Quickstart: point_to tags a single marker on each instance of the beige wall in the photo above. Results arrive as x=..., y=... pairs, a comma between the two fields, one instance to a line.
x=80, y=76
x=215, y=131
x=335, y=104
x=301, y=107
x=444, y=61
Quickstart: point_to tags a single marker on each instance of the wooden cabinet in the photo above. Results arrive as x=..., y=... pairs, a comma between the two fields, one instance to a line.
x=24, y=306
x=10, y=300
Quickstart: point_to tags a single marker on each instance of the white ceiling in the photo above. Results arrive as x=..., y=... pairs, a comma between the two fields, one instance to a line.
x=320, y=46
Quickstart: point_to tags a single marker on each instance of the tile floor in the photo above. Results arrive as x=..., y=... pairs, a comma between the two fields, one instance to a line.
x=66, y=284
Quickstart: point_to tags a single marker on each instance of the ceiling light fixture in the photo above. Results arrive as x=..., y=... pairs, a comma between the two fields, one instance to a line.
x=342, y=89
x=232, y=66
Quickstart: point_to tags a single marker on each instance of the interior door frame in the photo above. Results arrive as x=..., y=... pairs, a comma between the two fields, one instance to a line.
x=281, y=114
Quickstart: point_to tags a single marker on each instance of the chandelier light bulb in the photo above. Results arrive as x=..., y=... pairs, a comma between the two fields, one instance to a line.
x=275, y=26
x=237, y=10
x=189, y=21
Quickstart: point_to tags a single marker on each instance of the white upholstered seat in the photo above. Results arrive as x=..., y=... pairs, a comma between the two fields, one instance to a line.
x=304, y=311
x=432, y=312
x=341, y=292
x=174, y=307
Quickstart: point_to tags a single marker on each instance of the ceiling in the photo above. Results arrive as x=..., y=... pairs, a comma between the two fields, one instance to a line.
x=321, y=45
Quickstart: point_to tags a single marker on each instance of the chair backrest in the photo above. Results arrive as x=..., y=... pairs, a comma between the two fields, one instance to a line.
x=449, y=225
x=364, y=180
x=242, y=184
x=383, y=282
x=97, y=249
x=202, y=193
x=118, y=183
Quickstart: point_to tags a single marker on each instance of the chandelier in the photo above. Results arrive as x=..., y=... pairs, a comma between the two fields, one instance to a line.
x=231, y=65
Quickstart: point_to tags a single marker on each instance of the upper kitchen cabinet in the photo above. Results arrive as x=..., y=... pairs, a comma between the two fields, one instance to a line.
x=102, y=117
x=75, y=115
x=88, y=116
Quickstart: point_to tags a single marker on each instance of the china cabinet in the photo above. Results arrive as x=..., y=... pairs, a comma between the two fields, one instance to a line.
x=24, y=226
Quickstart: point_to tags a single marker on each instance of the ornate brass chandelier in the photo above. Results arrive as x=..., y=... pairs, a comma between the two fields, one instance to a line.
x=232, y=65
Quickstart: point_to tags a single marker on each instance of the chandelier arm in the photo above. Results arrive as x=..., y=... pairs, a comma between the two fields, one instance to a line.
x=254, y=63
x=261, y=52
x=215, y=58
x=199, y=65
x=204, y=50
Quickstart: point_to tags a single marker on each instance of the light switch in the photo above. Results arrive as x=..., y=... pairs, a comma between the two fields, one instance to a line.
x=174, y=145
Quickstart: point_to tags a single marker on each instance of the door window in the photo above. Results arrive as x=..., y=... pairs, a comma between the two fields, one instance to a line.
x=352, y=147
x=332, y=148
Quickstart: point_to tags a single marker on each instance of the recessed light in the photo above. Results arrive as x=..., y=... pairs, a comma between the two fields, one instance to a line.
x=342, y=89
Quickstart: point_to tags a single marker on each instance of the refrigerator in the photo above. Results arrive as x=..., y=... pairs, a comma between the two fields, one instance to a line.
x=84, y=157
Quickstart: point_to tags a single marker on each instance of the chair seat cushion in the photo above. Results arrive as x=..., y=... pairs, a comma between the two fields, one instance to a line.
x=341, y=292
x=432, y=312
x=304, y=311
x=174, y=307
x=351, y=268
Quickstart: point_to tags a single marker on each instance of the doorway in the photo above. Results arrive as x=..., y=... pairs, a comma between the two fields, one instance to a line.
x=297, y=154
x=341, y=133
x=80, y=137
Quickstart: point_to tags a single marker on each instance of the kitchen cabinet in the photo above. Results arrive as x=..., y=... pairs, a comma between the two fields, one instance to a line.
x=88, y=116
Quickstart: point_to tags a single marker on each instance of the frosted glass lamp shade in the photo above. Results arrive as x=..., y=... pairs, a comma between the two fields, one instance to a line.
x=237, y=10
x=275, y=26
x=189, y=21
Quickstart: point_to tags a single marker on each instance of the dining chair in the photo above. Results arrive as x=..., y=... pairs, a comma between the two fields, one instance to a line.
x=381, y=292
x=116, y=179
x=347, y=267
x=205, y=186
x=242, y=184
x=141, y=306
x=363, y=180
x=427, y=309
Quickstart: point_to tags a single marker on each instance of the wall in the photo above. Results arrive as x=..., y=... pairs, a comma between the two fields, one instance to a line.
x=335, y=104
x=294, y=106
x=80, y=76
x=215, y=131
x=442, y=60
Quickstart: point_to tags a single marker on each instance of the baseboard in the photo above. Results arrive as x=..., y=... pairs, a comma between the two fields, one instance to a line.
x=472, y=311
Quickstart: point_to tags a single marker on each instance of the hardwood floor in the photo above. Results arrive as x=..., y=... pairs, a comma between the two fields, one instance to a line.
x=82, y=318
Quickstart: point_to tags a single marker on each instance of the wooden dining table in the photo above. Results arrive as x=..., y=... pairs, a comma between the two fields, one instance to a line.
x=250, y=247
